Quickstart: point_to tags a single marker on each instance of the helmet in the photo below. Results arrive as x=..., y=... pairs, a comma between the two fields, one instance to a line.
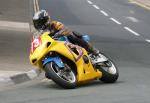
x=40, y=19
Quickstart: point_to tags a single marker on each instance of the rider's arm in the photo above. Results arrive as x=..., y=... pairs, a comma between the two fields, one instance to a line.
x=61, y=28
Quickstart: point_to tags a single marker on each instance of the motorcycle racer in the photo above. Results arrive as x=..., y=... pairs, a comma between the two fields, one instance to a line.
x=42, y=21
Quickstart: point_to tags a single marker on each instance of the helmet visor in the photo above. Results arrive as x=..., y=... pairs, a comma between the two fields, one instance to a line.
x=38, y=24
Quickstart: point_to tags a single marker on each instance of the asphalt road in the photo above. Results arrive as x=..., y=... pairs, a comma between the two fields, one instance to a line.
x=120, y=30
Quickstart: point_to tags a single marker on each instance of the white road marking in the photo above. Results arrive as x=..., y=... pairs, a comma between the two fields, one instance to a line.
x=140, y=4
x=116, y=21
x=132, y=19
x=14, y=25
x=90, y=2
x=37, y=5
x=131, y=31
x=104, y=13
x=34, y=3
x=148, y=40
x=132, y=2
x=95, y=6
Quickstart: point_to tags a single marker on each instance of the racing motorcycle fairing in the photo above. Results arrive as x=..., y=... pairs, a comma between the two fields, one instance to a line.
x=42, y=45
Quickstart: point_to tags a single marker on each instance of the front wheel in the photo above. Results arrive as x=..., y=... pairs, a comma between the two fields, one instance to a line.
x=109, y=71
x=64, y=77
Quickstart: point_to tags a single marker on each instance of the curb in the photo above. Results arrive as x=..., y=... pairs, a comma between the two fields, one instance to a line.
x=17, y=26
x=141, y=4
x=19, y=77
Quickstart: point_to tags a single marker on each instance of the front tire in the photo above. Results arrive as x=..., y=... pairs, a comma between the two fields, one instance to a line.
x=61, y=77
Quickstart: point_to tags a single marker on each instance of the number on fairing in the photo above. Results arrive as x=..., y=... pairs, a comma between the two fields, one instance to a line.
x=36, y=43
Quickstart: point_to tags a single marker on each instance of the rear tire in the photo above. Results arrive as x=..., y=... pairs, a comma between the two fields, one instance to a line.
x=51, y=71
x=109, y=75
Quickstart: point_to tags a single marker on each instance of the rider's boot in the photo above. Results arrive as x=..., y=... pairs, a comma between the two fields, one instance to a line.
x=94, y=55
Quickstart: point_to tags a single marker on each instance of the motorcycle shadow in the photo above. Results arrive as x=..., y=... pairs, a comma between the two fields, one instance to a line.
x=85, y=85
x=98, y=83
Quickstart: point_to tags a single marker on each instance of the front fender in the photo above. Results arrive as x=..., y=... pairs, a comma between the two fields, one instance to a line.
x=54, y=59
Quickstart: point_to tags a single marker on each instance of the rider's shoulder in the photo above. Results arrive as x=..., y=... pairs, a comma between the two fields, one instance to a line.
x=56, y=23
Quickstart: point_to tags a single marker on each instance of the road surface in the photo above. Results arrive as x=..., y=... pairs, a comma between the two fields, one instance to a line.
x=119, y=29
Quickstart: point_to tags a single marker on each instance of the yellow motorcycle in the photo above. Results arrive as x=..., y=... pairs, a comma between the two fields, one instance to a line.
x=67, y=64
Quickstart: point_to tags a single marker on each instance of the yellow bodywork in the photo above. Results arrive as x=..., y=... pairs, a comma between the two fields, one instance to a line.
x=85, y=72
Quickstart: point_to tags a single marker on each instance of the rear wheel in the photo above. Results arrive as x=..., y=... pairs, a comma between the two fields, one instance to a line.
x=64, y=77
x=109, y=71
